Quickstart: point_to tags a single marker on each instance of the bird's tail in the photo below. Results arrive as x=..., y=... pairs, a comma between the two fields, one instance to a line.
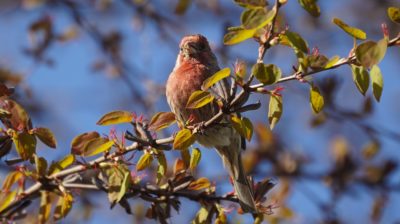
x=232, y=161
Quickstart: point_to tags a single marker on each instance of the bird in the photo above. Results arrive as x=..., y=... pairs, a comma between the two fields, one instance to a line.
x=194, y=64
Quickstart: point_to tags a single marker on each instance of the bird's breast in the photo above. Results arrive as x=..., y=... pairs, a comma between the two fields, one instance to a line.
x=182, y=82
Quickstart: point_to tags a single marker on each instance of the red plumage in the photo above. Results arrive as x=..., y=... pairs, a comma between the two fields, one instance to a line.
x=195, y=63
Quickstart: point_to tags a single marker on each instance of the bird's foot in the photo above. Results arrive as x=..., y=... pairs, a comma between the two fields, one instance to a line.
x=199, y=127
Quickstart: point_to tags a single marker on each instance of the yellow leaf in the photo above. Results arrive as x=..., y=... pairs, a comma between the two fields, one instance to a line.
x=161, y=120
x=257, y=18
x=11, y=178
x=377, y=82
x=25, y=145
x=355, y=32
x=6, y=199
x=144, y=161
x=275, y=110
x=296, y=41
x=195, y=158
x=311, y=7
x=182, y=6
x=371, y=53
x=267, y=74
x=243, y=126
x=79, y=142
x=332, y=61
x=116, y=117
x=63, y=206
x=394, y=14
x=210, y=81
x=183, y=139
x=162, y=166
x=45, y=207
x=199, y=99
x=199, y=184
x=316, y=99
x=46, y=136
x=360, y=78
x=371, y=149
x=96, y=146
x=62, y=164
x=238, y=35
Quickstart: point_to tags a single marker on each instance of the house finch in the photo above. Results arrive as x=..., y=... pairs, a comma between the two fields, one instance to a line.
x=195, y=63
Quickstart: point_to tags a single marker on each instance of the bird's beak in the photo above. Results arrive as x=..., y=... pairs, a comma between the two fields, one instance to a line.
x=189, y=49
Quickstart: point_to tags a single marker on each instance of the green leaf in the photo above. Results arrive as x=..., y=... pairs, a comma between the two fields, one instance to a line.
x=332, y=61
x=162, y=166
x=96, y=146
x=275, y=110
x=311, y=7
x=394, y=14
x=56, y=167
x=256, y=18
x=6, y=198
x=267, y=74
x=238, y=35
x=63, y=206
x=126, y=183
x=183, y=139
x=199, y=99
x=251, y=4
x=352, y=31
x=116, y=117
x=119, y=180
x=11, y=178
x=243, y=126
x=371, y=53
x=360, y=78
x=25, y=145
x=296, y=41
x=46, y=136
x=41, y=165
x=377, y=82
x=161, y=120
x=144, y=161
x=218, y=76
x=195, y=158
x=316, y=99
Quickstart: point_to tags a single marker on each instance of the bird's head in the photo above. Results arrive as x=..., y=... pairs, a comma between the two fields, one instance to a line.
x=194, y=46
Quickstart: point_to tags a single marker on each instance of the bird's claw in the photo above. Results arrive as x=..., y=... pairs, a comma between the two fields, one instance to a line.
x=199, y=127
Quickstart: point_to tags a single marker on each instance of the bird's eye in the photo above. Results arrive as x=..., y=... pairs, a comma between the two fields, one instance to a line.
x=202, y=46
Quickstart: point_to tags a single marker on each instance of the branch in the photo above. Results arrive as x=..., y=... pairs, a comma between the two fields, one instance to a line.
x=343, y=61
